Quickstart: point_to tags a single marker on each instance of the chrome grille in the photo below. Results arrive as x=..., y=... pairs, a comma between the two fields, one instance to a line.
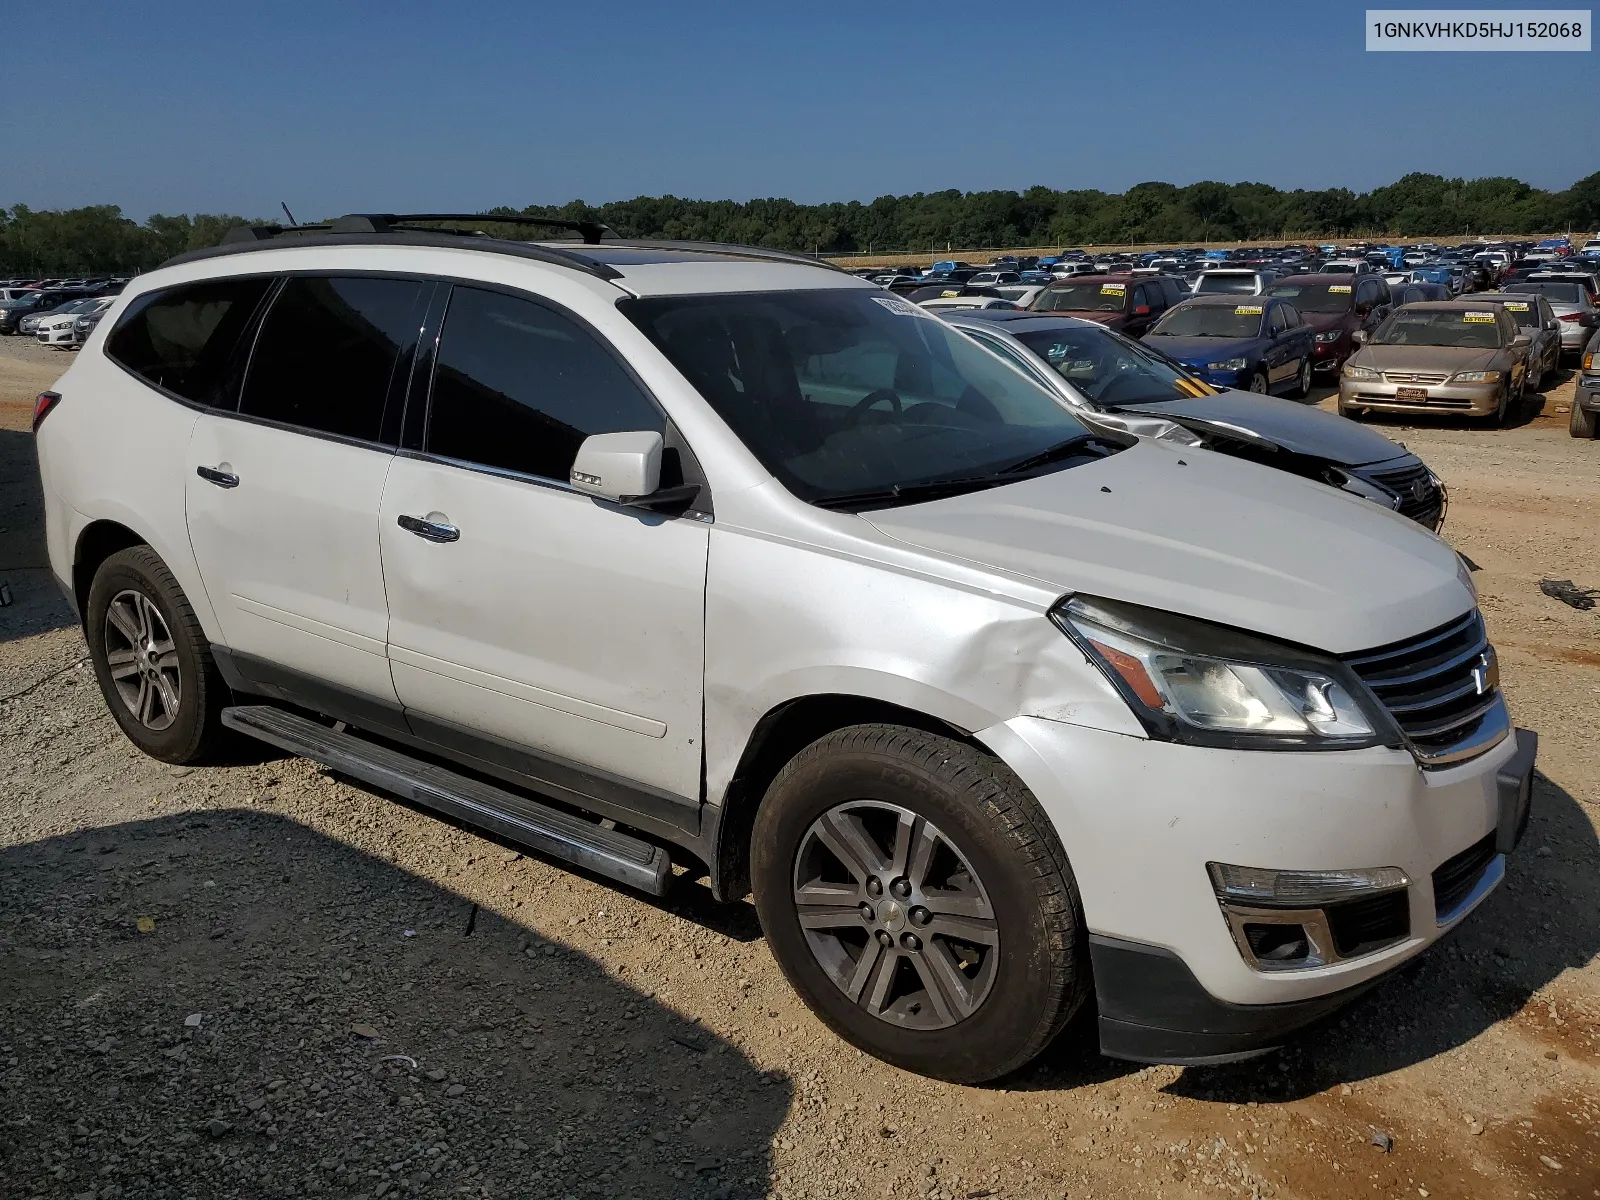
x=1433, y=377
x=1441, y=688
x=1422, y=497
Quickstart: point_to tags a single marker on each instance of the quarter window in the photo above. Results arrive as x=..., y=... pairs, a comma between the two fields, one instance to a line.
x=519, y=386
x=328, y=351
x=182, y=338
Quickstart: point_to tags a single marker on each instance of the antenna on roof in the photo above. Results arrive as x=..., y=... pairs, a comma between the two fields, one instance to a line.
x=287, y=213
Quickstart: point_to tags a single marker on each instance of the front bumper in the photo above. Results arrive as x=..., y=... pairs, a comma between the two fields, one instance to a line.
x=1588, y=393
x=1140, y=865
x=1472, y=399
x=1330, y=356
x=1222, y=379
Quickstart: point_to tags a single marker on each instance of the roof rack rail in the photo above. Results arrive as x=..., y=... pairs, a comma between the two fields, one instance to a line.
x=734, y=250
x=592, y=232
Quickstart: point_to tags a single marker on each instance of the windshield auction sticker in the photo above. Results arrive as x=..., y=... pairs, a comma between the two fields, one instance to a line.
x=1247, y=310
x=903, y=308
x=1113, y=289
x=1338, y=287
x=1478, y=318
x=1458, y=29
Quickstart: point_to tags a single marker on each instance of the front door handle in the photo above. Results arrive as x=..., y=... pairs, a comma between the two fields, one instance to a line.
x=222, y=475
x=434, y=527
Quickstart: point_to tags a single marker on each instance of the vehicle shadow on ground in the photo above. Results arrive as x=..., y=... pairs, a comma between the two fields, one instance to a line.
x=1544, y=919
x=233, y=1004
x=35, y=604
x=1533, y=406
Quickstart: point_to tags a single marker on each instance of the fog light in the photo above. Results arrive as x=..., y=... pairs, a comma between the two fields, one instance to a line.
x=1301, y=889
x=1280, y=919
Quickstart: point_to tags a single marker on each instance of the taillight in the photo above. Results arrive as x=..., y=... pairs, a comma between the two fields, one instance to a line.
x=43, y=406
x=1573, y=317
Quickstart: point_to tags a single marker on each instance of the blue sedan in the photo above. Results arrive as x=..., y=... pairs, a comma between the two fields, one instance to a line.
x=1255, y=343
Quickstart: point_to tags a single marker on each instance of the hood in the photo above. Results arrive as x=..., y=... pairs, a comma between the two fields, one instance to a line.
x=1202, y=349
x=1296, y=427
x=1425, y=358
x=1208, y=536
x=1324, y=321
x=1099, y=318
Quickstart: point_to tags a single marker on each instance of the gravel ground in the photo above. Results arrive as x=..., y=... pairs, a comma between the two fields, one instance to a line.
x=262, y=980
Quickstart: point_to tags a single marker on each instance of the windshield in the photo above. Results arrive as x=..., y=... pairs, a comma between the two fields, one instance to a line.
x=1314, y=297
x=1107, y=368
x=1560, y=293
x=1214, y=281
x=1092, y=296
x=1210, y=320
x=1523, y=312
x=1440, y=327
x=845, y=392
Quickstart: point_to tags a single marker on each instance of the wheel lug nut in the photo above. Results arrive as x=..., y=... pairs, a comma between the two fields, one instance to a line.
x=866, y=911
x=911, y=941
x=874, y=886
x=920, y=915
x=901, y=887
x=885, y=938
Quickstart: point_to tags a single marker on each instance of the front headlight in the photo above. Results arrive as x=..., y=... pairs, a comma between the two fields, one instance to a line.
x=1208, y=685
x=1333, y=335
x=1233, y=364
x=1353, y=371
x=1475, y=377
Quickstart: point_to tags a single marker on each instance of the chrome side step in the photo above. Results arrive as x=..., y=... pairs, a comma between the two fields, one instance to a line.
x=549, y=831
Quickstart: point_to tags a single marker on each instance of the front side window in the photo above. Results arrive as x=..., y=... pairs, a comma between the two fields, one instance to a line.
x=328, y=350
x=840, y=393
x=519, y=386
x=182, y=338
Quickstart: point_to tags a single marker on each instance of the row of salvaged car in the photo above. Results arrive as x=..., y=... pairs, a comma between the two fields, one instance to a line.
x=1410, y=348
x=58, y=312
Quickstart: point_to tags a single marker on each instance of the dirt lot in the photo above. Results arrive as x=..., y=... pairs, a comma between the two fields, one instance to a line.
x=262, y=980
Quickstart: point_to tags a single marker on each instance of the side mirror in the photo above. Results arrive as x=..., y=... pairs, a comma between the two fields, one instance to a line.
x=618, y=466
x=1521, y=342
x=1359, y=337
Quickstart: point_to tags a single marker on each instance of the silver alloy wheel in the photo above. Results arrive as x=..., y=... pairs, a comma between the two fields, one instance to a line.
x=143, y=659
x=1258, y=383
x=896, y=915
x=1305, y=376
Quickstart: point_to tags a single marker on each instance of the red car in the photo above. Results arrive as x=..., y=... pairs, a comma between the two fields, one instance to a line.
x=1335, y=306
x=1130, y=304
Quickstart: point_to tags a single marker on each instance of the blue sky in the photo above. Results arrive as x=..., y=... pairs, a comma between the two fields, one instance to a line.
x=177, y=107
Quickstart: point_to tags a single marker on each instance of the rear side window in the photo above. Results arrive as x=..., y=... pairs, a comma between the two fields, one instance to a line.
x=328, y=350
x=182, y=338
x=519, y=386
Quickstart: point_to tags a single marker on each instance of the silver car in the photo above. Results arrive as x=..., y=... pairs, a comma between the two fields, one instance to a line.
x=1574, y=307
x=1539, y=324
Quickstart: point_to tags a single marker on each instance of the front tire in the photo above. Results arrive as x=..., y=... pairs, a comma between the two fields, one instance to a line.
x=917, y=898
x=1582, y=424
x=1259, y=384
x=152, y=660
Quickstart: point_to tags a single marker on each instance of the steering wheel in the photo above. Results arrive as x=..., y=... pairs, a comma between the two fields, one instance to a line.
x=859, y=410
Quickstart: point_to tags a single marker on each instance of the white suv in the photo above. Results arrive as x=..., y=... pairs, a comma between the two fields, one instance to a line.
x=651, y=554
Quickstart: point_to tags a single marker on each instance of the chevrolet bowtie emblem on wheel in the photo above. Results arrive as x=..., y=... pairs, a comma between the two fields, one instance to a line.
x=1486, y=675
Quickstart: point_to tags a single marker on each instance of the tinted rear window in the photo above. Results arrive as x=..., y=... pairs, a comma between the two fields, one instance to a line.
x=327, y=352
x=182, y=338
x=1556, y=293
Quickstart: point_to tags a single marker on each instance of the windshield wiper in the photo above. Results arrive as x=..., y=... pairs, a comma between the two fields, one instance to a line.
x=1050, y=454
x=907, y=493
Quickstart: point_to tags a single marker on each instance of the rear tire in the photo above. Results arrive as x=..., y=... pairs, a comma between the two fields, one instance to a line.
x=1302, y=384
x=152, y=660
x=1582, y=424
x=986, y=958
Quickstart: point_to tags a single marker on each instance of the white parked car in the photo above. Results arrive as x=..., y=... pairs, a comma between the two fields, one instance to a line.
x=723, y=558
x=1233, y=281
x=58, y=329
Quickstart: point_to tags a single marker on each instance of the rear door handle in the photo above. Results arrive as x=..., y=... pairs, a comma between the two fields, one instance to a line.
x=221, y=475
x=429, y=529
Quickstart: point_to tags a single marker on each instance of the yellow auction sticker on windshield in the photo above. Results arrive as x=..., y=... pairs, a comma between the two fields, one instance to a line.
x=947, y=295
x=1107, y=289
x=1517, y=307
x=1247, y=310
x=1338, y=287
x=1478, y=318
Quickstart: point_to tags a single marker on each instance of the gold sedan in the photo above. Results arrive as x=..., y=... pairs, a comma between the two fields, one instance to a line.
x=1438, y=357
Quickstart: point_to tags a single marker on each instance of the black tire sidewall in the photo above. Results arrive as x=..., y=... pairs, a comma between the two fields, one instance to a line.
x=139, y=569
x=1020, y=997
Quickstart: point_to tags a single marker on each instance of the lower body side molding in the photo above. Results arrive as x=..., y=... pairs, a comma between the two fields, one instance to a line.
x=549, y=831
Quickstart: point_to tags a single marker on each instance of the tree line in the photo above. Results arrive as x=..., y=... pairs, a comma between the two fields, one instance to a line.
x=99, y=239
